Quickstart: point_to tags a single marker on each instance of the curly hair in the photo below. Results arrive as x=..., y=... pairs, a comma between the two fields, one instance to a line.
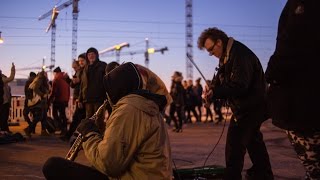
x=212, y=33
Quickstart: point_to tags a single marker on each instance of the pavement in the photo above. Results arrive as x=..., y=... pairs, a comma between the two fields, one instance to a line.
x=190, y=148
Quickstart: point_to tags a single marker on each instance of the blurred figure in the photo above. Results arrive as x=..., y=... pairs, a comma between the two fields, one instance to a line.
x=28, y=96
x=185, y=84
x=59, y=97
x=178, y=95
x=79, y=112
x=208, y=102
x=38, y=103
x=293, y=73
x=1, y=91
x=191, y=102
x=6, y=104
x=199, y=89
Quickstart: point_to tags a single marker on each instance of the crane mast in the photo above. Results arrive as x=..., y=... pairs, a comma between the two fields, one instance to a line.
x=75, y=12
x=189, y=39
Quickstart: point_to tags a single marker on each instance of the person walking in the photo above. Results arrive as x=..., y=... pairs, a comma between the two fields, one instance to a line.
x=59, y=97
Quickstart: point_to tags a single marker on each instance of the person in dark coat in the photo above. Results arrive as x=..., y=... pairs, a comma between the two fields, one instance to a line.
x=178, y=95
x=292, y=73
x=92, y=92
x=79, y=112
x=242, y=83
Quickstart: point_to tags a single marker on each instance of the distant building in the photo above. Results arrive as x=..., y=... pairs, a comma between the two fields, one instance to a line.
x=17, y=87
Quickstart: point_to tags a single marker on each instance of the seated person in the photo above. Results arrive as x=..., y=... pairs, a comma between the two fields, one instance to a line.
x=135, y=144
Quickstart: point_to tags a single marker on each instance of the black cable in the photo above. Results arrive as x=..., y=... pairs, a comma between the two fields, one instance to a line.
x=176, y=170
x=204, y=164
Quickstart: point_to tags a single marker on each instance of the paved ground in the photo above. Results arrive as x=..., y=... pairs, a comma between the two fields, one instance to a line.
x=190, y=148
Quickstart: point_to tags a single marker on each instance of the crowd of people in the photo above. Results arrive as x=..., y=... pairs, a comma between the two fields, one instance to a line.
x=132, y=141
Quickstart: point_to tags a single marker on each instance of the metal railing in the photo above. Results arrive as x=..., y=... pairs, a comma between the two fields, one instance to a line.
x=17, y=106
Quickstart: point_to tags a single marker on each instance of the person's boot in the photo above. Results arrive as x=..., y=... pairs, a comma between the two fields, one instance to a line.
x=44, y=133
x=27, y=131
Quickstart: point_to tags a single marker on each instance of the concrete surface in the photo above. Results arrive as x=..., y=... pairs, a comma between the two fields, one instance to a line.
x=24, y=160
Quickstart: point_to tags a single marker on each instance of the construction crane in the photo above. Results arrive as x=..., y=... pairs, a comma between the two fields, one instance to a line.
x=39, y=68
x=117, y=48
x=52, y=25
x=146, y=52
x=189, y=39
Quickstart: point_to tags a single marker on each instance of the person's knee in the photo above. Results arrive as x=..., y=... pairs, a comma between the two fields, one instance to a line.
x=49, y=166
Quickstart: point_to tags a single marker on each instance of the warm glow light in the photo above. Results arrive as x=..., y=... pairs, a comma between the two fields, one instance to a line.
x=151, y=50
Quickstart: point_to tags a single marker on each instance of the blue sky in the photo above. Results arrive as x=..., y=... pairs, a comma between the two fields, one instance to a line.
x=104, y=23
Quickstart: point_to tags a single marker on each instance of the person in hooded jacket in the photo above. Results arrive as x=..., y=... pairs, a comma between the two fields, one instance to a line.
x=135, y=144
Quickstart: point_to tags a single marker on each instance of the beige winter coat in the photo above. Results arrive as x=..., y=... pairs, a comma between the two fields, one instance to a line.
x=135, y=144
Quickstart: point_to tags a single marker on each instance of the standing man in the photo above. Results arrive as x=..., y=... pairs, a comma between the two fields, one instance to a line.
x=92, y=92
x=79, y=112
x=59, y=97
x=240, y=81
x=293, y=72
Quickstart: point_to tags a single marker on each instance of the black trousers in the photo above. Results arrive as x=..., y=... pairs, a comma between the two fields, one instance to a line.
x=60, y=168
x=59, y=114
x=4, y=116
x=78, y=115
x=246, y=136
x=180, y=113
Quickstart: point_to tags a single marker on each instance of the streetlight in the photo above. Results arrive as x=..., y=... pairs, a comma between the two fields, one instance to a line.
x=1, y=40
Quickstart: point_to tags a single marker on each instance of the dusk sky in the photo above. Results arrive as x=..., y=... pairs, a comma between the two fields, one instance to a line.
x=104, y=23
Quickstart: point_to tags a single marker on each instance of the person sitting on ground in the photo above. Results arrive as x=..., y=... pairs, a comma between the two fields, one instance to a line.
x=135, y=144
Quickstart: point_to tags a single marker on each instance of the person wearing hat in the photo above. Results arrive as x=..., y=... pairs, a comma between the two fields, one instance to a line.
x=135, y=144
x=240, y=80
x=92, y=93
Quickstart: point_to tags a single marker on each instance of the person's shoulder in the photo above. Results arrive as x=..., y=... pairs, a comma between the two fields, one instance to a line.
x=102, y=63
